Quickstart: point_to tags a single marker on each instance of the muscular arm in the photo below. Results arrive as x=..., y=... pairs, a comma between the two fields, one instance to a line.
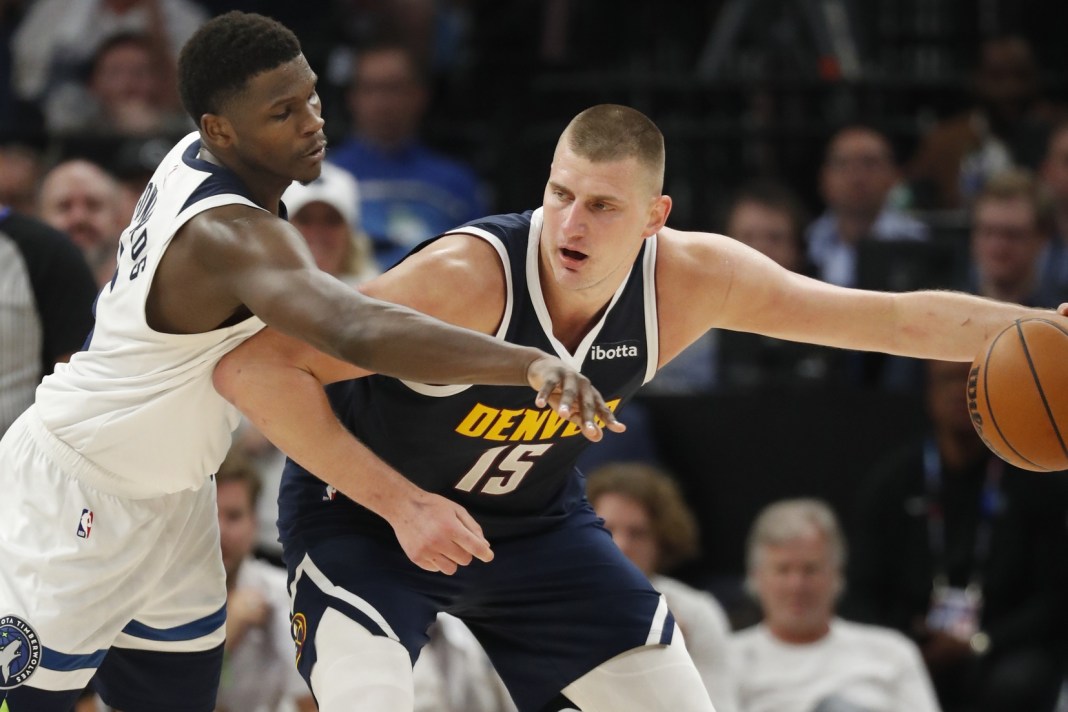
x=743, y=290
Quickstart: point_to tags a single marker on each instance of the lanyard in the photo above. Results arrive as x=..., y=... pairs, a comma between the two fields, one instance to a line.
x=990, y=505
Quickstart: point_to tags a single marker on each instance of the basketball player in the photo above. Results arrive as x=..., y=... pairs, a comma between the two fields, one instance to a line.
x=109, y=543
x=595, y=276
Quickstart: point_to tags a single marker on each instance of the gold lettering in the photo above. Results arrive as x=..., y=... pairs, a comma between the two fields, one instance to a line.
x=532, y=422
x=477, y=421
x=503, y=422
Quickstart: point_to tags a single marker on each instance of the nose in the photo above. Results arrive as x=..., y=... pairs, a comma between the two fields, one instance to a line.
x=572, y=223
x=314, y=120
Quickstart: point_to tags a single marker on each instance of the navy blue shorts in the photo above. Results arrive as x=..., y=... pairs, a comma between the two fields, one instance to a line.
x=549, y=608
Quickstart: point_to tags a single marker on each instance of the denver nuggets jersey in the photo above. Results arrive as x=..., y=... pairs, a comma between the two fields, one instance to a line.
x=511, y=464
x=138, y=405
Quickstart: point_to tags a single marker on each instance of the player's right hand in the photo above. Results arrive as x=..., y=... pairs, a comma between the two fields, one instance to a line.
x=439, y=535
x=572, y=395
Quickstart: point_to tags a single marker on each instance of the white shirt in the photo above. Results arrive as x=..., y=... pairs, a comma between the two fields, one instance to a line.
x=871, y=668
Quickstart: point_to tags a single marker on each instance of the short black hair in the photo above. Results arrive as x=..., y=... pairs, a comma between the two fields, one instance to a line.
x=220, y=58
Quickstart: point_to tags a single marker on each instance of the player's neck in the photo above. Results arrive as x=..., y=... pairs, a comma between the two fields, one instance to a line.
x=266, y=196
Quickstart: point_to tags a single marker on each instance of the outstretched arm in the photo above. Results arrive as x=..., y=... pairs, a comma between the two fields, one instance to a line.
x=745, y=291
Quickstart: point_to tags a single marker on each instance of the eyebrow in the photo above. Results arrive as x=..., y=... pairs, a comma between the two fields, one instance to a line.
x=595, y=198
x=286, y=98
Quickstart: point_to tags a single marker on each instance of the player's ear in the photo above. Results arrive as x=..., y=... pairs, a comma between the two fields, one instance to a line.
x=216, y=130
x=658, y=215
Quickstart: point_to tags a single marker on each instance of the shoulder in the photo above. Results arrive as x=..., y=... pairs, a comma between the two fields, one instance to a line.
x=237, y=235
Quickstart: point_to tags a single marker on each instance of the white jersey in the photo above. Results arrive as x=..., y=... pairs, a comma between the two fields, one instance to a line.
x=138, y=405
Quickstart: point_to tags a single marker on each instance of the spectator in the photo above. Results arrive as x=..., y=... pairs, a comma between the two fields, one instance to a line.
x=408, y=191
x=859, y=172
x=1011, y=227
x=259, y=673
x=643, y=509
x=127, y=93
x=802, y=657
x=1006, y=127
x=57, y=38
x=968, y=556
x=46, y=301
x=1054, y=175
x=20, y=172
x=83, y=200
x=327, y=213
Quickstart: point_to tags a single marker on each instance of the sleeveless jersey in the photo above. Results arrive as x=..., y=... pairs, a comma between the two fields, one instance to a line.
x=489, y=448
x=136, y=404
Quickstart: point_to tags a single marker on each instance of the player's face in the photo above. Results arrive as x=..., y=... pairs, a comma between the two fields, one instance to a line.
x=797, y=584
x=237, y=524
x=596, y=216
x=632, y=529
x=278, y=125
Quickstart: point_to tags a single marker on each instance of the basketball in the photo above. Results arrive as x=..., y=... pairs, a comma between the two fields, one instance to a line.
x=1018, y=394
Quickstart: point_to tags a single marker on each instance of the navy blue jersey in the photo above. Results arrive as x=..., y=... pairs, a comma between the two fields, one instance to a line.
x=489, y=448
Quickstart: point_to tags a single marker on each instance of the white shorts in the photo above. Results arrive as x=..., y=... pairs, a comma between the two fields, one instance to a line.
x=84, y=570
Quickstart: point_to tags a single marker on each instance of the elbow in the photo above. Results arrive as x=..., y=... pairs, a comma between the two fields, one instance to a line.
x=225, y=377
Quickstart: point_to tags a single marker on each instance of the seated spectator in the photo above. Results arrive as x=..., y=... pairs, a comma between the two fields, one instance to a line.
x=259, y=672
x=643, y=509
x=408, y=192
x=1011, y=227
x=1006, y=127
x=858, y=174
x=126, y=93
x=969, y=557
x=327, y=213
x=57, y=38
x=802, y=657
x=85, y=201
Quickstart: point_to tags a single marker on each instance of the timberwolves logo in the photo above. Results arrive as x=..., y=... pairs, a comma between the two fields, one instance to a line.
x=20, y=652
x=299, y=628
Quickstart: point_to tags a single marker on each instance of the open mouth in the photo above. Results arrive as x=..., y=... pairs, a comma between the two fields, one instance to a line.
x=572, y=254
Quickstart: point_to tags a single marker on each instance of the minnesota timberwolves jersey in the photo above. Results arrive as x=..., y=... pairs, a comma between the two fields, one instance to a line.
x=138, y=405
x=511, y=464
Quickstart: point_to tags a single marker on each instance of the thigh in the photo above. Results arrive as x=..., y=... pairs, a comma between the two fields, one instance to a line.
x=369, y=582
x=184, y=610
x=554, y=606
x=75, y=563
x=152, y=681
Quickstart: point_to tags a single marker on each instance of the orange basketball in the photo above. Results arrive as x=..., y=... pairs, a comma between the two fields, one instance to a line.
x=1018, y=394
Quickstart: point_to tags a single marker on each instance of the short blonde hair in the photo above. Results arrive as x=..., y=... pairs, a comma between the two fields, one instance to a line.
x=611, y=132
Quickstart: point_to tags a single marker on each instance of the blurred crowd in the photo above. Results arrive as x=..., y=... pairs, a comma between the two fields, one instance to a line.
x=940, y=584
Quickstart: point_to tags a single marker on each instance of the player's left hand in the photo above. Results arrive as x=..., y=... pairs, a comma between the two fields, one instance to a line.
x=572, y=396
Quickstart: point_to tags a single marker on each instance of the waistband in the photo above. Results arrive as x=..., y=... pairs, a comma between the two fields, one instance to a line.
x=74, y=464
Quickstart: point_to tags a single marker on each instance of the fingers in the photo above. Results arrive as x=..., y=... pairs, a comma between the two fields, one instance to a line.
x=471, y=539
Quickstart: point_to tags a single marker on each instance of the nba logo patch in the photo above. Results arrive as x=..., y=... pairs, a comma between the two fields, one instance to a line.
x=85, y=523
x=20, y=652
